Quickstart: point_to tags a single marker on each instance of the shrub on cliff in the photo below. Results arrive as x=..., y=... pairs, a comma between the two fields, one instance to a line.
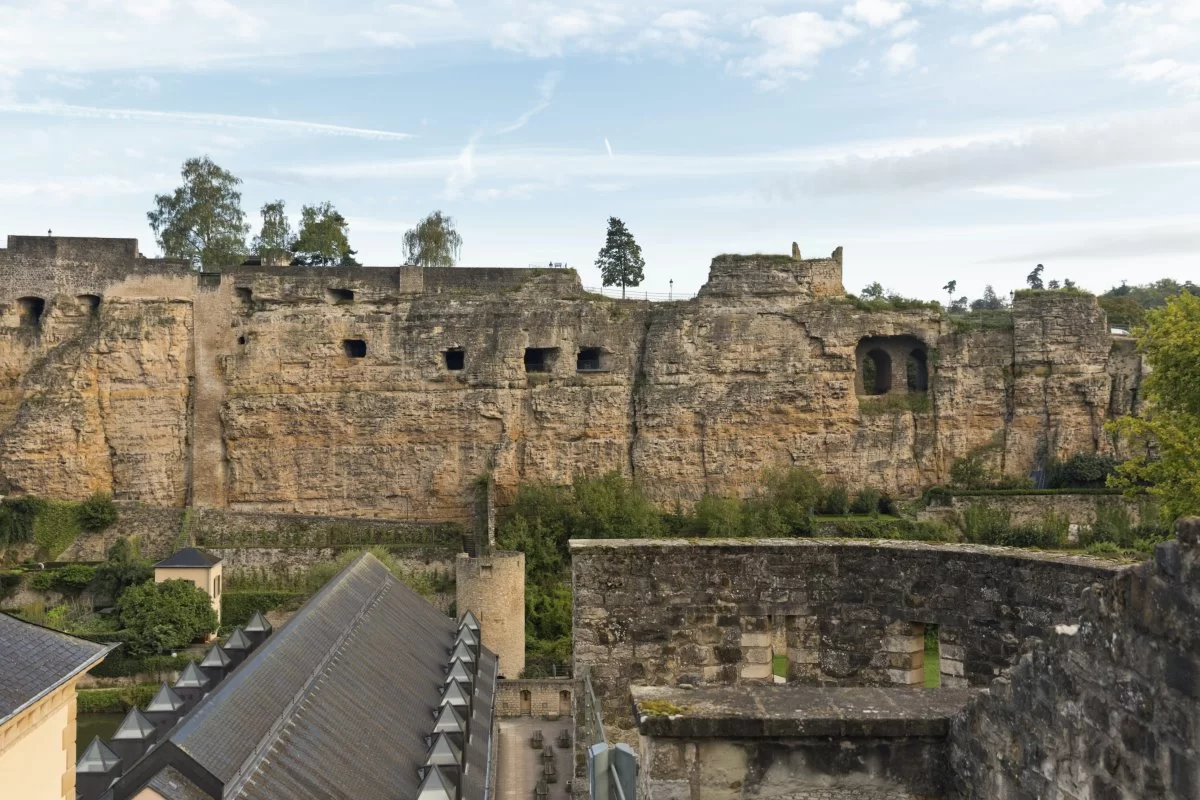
x=73, y=578
x=165, y=616
x=1080, y=471
x=124, y=567
x=97, y=512
x=16, y=519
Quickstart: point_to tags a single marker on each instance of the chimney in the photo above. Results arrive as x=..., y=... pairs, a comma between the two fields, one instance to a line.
x=238, y=646
x=135, y=736
x=258, y=629
x=191, y=686
x=98, y=767
x=216, y=665
x=164, y=710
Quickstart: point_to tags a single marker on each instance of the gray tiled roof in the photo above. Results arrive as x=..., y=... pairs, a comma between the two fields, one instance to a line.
x=338, y=703
x=97, y=758
x=34, y=660
x=189, y=557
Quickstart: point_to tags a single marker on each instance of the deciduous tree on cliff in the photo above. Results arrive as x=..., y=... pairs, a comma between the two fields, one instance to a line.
x=1168, y=437
x=433, y=242
x=202, y=221
x=324, y=239
x=274, y=242
x=620, y=260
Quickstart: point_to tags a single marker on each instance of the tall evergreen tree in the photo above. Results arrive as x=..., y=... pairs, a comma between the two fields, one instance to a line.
x=433, y=242
x=1034, y=279
x=202, y=221
x=324, y=238
x=620, y=260
x=274, y=242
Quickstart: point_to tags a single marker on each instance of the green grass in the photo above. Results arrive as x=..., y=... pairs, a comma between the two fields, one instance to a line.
x=933, y=672
x=779, y=666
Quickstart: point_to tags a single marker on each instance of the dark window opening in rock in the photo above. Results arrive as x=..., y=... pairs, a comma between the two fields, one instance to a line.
x=31, y=310
x=877, y=372
x=590, y=359
x=244, y=294
x=540, y=359
x=354, y=348
x=241, y=340
x=89, y=303
x=932, y=659
x=339, y=295
x=456, y=358
x=917, y=371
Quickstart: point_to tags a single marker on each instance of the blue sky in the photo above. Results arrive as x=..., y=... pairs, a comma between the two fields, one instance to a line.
x=934, y=140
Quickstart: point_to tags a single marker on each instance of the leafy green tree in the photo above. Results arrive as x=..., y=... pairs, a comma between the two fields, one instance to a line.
x=989, y=302
x=874, y=291
x=1034, y=279
x=324, y=239
x=433, y=242
x=1053, y=284
x=274, y=242
x=97, y=512
x=620, y=260
x=1168, y=438
x=165, y=616
x=202, y=221
x=123, y=567
x=950, y=288
x=1126, y=305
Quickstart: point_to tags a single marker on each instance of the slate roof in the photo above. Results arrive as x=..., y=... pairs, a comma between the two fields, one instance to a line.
x=336, y=704
x=189, y=557
x=35, y=660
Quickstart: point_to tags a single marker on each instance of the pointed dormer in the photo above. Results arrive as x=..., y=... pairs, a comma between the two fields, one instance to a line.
x=238, y=646
x=436, y=786
x=135, y=735
x=192, y=685
x=216, y=664
x=258, y=629
x=165, y=709
x=97, y=768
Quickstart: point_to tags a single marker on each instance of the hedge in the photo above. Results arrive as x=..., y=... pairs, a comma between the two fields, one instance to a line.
x=886, y=528
x=941, y=495
x=114, y=701
x=238, y=607
x=113, y=666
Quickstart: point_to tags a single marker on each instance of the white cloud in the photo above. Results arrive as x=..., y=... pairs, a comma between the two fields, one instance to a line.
x=1178, y=76
x=1073, y=11
x=387, y=38
x=876, y=13
x=608, y=147
x=1011, y=191
x=462, y=173
x=545, y=94
x=792, y=46
x=904, y=29
x=191, y=118
x=900, y=57
x=142, y=84
x=1025, y=32
x=68, y=81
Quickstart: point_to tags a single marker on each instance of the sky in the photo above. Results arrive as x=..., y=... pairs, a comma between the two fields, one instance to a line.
x=934, y=140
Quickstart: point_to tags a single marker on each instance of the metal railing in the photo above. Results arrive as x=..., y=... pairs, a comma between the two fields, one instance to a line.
x=632, y=293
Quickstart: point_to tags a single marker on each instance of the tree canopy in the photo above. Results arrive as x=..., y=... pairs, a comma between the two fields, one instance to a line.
x=433, y=242
x=1126, y=305
x=1167, y=438
x=202, y=221
x=620, y=260
x=324, y=239
x=123, y=567
x=165, y=616
x=274, y=242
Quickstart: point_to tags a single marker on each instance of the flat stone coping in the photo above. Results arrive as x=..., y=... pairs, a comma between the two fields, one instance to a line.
x=761, y=711
x=994, y=551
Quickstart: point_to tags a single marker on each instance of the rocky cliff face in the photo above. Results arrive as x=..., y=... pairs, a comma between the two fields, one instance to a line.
x=341, y=391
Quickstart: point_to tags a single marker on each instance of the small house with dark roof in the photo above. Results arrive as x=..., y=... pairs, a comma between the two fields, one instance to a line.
x=192, y=564
x=358, y=696
x=39, y=668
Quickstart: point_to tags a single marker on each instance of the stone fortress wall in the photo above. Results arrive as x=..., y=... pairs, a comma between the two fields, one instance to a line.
x=844, y=613
x=385, y=392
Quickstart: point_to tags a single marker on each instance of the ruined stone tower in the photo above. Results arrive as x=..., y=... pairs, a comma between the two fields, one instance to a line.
x=493, y=587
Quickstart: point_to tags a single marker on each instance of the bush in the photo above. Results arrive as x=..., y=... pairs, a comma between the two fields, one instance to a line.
x=717, y=516
x=238, y=607
x=887, y=528
x=41, y=581
x=1113, y=524
x=983, y=524
x=866, y=502
x=114, y=701
x=73, y=578
x=9, y=583
x=123, y=568
x=837, y=501
x=16, y=519
x=117, y=666
x=97, y=512
x=165, y=616
x=971, y=472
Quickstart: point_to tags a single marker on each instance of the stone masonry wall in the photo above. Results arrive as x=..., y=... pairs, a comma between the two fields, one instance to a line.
x=849, y=613
x=1105, y=707
x=538, y=697
x=238, y=389
x=1079, y=509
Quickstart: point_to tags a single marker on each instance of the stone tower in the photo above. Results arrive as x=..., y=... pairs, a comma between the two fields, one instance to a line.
x=492, y=586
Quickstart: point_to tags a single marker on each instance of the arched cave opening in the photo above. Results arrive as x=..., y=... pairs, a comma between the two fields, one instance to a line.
x=917, y=371
x=876, y=372
x=339, y=295
x=354, y=348
x=31, y=310
x=89, y=303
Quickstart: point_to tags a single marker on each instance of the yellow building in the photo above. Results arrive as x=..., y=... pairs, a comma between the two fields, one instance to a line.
x=197, y=566
x=39, y=668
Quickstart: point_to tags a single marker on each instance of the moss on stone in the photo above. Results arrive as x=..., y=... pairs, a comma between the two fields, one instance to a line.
x=660, y=708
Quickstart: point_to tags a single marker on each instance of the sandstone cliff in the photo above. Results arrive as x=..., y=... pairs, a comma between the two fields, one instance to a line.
x=334, y=391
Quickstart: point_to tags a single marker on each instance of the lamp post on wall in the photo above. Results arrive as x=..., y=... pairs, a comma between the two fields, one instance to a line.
x=671, y=290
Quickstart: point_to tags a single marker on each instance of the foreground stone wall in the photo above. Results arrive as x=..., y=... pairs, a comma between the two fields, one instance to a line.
x=1079, y=509
x=1106, y=707
x=849, y=613
x=328, y=391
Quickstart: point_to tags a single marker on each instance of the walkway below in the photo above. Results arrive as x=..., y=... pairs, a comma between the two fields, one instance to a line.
x=520, y=765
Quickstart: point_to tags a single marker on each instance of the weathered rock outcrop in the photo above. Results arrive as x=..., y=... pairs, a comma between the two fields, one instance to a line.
x=386, y=392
